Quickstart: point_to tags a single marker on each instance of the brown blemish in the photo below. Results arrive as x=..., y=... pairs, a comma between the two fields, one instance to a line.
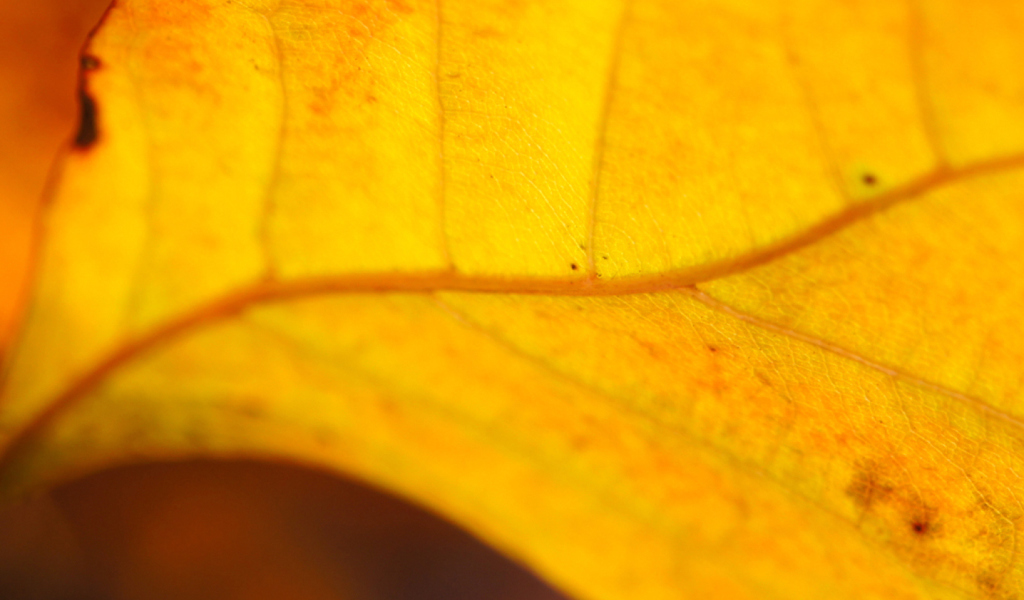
x=712, y=349
x=87, y=132
x=867, y=489
x=574, y=266
x=901, y=507
x=989, y=584
x=90, y=62
x=869, y=179
x=87, y=128
x=922, y=523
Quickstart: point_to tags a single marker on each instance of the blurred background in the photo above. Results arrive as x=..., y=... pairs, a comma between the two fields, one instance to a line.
x=203, y=529
x=209, y=530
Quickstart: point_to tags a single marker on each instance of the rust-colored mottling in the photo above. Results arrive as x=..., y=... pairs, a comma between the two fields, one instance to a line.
x=374, y=17
x=357, y=26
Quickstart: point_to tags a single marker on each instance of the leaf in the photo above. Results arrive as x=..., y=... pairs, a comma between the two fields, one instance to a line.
x=715, y=299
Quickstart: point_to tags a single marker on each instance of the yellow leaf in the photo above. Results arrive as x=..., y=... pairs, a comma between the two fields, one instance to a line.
x=704, y=299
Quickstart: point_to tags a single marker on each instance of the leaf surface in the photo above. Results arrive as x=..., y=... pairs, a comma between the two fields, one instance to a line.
x=713, y=299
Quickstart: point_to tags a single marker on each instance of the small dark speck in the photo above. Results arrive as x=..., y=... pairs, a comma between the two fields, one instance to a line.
x=87, y=132
x=574, y=266
x=869, y=179
x=90, y=63
x=712, y=348
x=605, y=257
x=920, y=526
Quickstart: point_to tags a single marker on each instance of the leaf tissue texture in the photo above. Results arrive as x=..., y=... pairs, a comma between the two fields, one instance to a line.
x=709, y=299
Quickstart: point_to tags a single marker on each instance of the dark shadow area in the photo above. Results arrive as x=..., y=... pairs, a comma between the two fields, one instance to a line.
x=242, y=530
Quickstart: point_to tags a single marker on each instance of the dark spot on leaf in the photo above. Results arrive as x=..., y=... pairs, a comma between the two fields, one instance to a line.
x=988, y=583
x=869, y=179
x=605, y=257
x=922, y=520
x=87, y=130
x=867, y=488
x=712, y=349
x=574, y=266
x=90, y=62
x=921, y=526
